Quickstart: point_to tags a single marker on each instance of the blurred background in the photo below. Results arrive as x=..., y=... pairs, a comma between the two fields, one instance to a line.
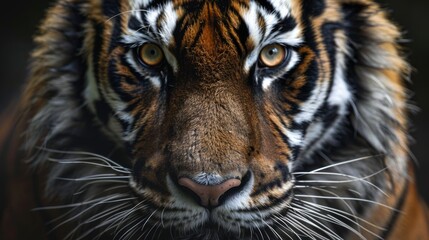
x=18, y=23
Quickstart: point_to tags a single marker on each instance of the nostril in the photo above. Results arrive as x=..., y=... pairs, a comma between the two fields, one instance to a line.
x=236, y=190
x=209, y=194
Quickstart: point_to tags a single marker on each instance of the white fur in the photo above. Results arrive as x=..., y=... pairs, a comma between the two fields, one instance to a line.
x=251, y=20
x=292, y=38
x=137, y=4
x=152, y=16
x=169, y=23
x=135, y=38
x=340, y=94
x=91, y=93
x=282, y=6
x=310, y=107
x=295, y=137
x=208, y=178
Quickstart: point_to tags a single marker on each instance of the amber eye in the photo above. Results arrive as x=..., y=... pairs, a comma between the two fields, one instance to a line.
x=151, y=54
x=272, y=55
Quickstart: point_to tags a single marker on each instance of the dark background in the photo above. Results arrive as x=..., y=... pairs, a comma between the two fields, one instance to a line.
x=18, y=23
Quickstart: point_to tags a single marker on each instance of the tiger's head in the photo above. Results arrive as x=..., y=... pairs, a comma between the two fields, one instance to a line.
x=215, y=119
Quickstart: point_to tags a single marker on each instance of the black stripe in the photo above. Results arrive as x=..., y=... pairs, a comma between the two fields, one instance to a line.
x=140, y=82
x=285, y=25
x=115, y=81
x=222, y=35
x=155, y=4
x=98, y=43
x=313, y=8
x=328, y=31
x=197, y=36
x=134, y=23
x=294, y=150
x=110, y=7
x=263, y=27
x=103, y=111
x=352, y=25
x=115, y=37
x=243, y=33
x=399, y=205
x=160, y=20
x=273, y=202
x=235, y=42
x=268, y=6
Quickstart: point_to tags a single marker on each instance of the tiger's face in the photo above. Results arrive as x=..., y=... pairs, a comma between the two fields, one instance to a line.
x=217, y=101
x=225, y=112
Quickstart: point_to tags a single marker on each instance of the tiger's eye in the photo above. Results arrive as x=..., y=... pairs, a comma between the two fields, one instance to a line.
x=272, y=55
x=151, y=54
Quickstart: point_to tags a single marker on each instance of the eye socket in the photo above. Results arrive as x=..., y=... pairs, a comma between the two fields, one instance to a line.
x=151, y=54
x=272, y=55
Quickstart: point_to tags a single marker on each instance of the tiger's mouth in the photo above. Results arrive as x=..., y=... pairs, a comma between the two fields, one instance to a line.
x=239, y=211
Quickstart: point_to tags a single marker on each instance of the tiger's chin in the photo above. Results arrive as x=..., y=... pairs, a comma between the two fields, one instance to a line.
x=211, y=228
x=212, y=231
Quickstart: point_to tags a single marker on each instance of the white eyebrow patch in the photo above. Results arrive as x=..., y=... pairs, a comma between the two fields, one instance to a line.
x=251, y=20
x=292, y=38
x=152, y=16
x=168, y=23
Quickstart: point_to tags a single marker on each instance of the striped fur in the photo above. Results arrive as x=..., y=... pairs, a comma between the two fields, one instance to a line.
x=318, y=142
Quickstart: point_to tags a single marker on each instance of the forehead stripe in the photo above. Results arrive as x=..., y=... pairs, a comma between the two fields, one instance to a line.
x=267, y=5
x=282, y=6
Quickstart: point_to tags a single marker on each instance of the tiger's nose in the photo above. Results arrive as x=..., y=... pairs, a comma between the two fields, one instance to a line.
x=209, y=194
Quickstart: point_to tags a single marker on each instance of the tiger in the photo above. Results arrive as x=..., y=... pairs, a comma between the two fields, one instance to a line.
x=217, y=119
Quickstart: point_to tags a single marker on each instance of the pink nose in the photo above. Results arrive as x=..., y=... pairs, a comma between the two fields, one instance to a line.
x=209, y=194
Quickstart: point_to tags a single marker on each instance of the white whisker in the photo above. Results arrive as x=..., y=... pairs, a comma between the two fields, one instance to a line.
x=353, y=179
x=345, y=162
x=83, y=188
x=317, y=212
x=125, y=12
x=99, y=157
x=89, y=161
x=348, y=198
x=336, y=195
x=103, y=214
x=304, y=229
x=132, y=230
x=107, y=199
x=339, y=213
x=317, y=224
x=128, y=213
x=286, y=225
x=105, y=177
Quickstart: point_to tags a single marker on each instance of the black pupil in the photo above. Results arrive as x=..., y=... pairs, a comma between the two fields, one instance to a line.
x=152, y=52
x=273, y=51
